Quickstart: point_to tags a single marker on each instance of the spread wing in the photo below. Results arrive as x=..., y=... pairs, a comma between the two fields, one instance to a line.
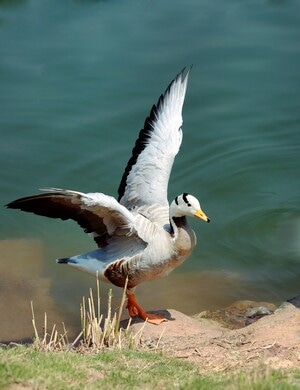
x=96, y=213
x=146, y=177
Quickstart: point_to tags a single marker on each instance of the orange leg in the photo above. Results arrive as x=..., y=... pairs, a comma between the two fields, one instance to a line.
x=135, y=309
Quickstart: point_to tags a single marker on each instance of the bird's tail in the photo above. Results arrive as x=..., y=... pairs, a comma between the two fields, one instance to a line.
x=92, y=262
x=65, y=260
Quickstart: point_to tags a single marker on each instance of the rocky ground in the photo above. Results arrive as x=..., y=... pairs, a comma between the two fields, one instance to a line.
x=271, y=339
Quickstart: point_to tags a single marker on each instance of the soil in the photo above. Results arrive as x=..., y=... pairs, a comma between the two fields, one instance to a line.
x=273, y=339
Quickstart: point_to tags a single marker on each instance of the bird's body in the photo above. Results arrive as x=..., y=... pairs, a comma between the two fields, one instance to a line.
x=152, y=255
x=139, y=237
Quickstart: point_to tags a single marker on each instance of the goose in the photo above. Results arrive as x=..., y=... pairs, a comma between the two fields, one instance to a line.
x=139, y=237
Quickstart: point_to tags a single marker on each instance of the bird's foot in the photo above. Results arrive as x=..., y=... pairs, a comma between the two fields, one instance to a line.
x=134, y=309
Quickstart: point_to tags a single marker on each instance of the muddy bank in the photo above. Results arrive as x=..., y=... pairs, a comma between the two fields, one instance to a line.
x=272, y=340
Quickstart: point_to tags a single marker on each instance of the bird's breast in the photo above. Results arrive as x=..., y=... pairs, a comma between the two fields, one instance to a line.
x=185, y=242
x=171, y=252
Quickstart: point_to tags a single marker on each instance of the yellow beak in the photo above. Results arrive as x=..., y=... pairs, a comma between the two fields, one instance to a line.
x=200, y=214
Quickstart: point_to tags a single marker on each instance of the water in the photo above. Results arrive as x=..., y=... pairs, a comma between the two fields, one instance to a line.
x=77, y=81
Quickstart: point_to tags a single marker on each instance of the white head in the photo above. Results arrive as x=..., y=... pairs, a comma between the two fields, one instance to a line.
x=187, y=205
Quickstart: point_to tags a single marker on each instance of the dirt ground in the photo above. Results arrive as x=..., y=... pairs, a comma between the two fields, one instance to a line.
x=273, y=340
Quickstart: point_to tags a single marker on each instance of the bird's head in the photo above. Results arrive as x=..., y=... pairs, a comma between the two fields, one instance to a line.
x=187, y=205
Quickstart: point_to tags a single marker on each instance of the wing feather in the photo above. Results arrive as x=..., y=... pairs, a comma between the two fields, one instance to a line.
x=96, y=213
x=146, y=176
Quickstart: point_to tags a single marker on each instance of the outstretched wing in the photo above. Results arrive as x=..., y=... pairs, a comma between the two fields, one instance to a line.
x=96, y=213
x=146, y=177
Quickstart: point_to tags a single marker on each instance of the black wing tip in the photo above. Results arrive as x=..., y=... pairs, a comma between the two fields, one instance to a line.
x=21, y=203
x=64, y=260
x=15, y=204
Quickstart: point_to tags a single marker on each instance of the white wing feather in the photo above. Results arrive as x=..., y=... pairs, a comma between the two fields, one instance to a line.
x=105, y=207
x=146, y=177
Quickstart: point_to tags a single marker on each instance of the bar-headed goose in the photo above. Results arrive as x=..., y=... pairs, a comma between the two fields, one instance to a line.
x=139, y=237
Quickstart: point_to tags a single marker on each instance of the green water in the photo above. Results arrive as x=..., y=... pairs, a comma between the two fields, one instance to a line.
x=78, y=78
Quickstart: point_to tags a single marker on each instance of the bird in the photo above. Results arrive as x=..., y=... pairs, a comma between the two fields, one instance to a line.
x=139, y=236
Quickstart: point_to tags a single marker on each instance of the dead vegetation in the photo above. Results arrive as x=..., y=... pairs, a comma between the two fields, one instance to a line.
x=98, y=331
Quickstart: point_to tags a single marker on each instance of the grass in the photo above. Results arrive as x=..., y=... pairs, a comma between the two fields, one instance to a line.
x=23, y=366
x=108, y=370
x=105, y=357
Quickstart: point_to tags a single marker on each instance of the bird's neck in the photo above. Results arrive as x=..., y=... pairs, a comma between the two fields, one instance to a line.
x=175, y=223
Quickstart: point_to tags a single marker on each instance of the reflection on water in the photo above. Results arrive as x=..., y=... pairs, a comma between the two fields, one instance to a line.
x=23, y=281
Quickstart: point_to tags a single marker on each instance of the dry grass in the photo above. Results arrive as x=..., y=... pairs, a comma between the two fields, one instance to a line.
x=98, y=332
